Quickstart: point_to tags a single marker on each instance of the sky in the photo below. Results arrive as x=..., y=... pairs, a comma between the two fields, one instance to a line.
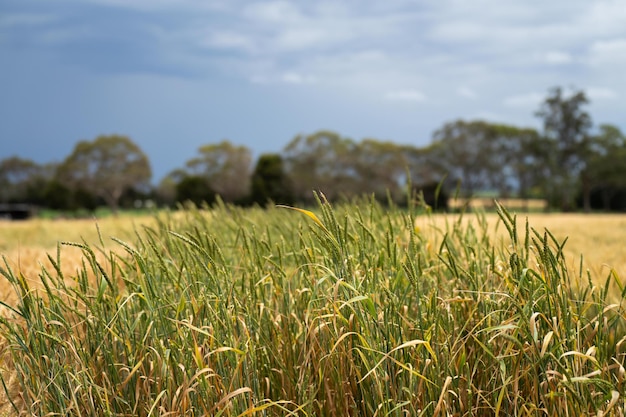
x=174, y=75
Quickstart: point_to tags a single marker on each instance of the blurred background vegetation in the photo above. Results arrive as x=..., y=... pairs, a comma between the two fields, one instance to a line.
x=570, y=164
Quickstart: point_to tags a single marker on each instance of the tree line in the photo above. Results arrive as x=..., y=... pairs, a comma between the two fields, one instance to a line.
x=568, y=163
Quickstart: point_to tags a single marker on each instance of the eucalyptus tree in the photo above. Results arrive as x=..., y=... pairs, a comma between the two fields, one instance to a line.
x=107, y=167
x=270, y=181
x=465, y=150
x=18, y=179
x=566, y=127
x=381, y=169
x=605, y=170
x=322, y=161
x=226, y=167
x=513, y=153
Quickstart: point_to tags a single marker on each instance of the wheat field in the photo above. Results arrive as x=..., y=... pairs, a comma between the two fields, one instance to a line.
x=26, y=245
x=598, y=238
x=351, y=310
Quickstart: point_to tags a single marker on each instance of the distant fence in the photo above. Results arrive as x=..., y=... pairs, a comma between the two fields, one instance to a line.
x=489, y=203
x=17, y=211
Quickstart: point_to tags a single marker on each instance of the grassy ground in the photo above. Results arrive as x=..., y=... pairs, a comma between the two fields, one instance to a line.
x=27, y=244
x=595, y=236
x=353, y=310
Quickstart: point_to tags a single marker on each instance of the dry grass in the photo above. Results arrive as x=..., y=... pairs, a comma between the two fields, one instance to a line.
x=532, y=204
x=598, y=237
x=27, y=244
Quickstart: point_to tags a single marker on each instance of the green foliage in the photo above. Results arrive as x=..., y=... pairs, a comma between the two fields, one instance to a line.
x=321, y=161
x=195, y=189
x=342, y=168
x=566, y=129
x=605, y=171
x=565, y=165
x=107, y=166
x=348, y=311
x=19, y=179
x=481, y=156
x=270, y=182
x=226, y=168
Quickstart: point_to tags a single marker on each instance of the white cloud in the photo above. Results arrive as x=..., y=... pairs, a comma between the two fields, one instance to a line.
x=367, y=48
x=557, y=57
x=607, y=52
x=607, y=17
x=406, y=95
x=274, y=12
x=289, y=77
x=466, y=92
x=165, y=5
x=296, y=78
x=230, y=40
x=600, y=93
x=527, y=100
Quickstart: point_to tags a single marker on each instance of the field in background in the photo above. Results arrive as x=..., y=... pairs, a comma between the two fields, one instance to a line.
x=484, y=203
x=598, y=237
x=27, y=244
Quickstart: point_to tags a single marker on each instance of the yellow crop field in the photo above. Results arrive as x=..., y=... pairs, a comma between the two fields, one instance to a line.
x=597, y=237
x=27, y=244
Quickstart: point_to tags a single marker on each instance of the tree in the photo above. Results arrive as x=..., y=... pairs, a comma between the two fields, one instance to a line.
x=605, y=169
x=466, y=151
x=380, y=168
x=566, y=126
x=226, y=167
x=18, y=180
x=107, y=166
x=422, y=165
x=166, y=192
x=479, y=156
x=323, y=161
x=513, y=151
x=270, y=182
x=59, y=197
x=196, y=189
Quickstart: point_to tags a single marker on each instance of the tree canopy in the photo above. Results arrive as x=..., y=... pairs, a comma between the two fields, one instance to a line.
x=270, y=182
x=106, y=166
x=225, y=166
x=567, y=163
x=566, y=128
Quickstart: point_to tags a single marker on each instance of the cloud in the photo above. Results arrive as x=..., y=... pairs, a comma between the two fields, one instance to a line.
x=273, y=12
x=369, y=46
x=230, y=40
x=406, y=95
x=600, y=93
x=296, y=78
x=288, y=77
x=608, y=52
x=557, y=57
x=466, y=92
x=526, y=100
x=164, y=5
